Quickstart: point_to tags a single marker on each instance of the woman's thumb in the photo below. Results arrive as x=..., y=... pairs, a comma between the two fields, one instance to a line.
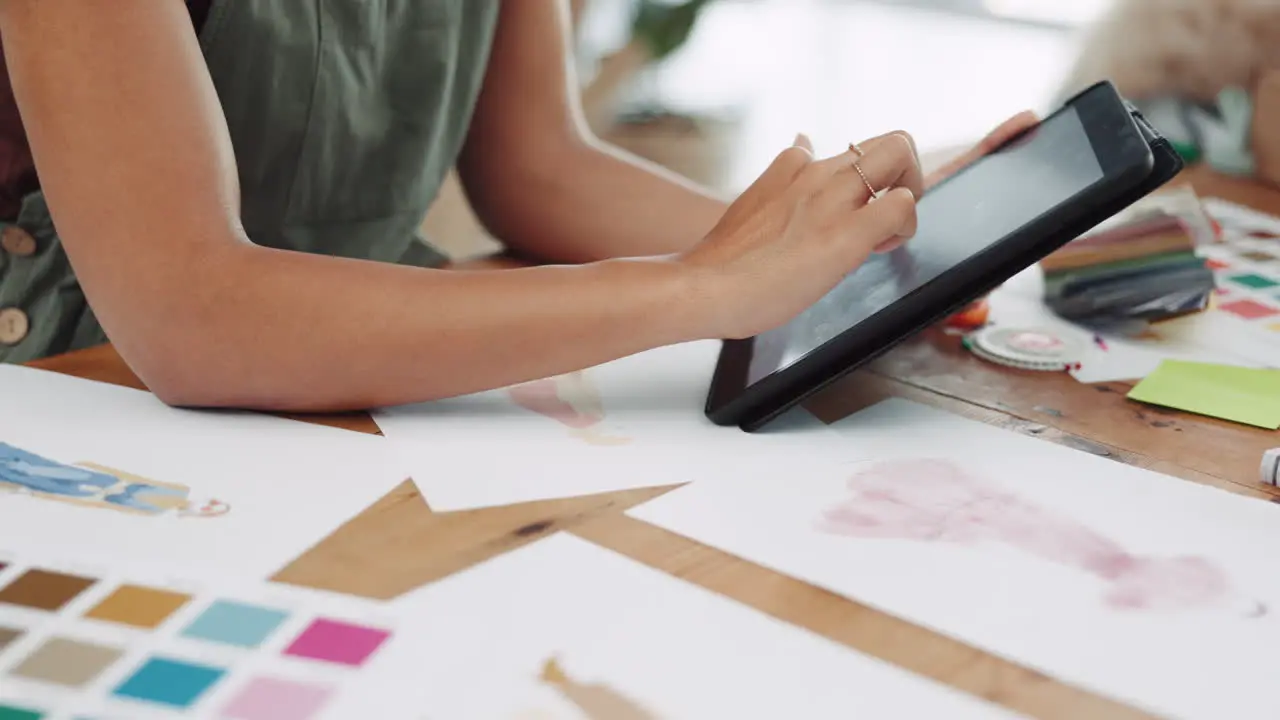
x=802, y=141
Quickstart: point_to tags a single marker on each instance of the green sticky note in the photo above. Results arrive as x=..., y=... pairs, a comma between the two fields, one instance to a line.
x=1243, y=395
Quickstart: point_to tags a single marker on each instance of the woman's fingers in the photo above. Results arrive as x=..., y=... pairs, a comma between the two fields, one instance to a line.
x=886, y=162
x=890, y=167
x=890, y=161
x=884, y=222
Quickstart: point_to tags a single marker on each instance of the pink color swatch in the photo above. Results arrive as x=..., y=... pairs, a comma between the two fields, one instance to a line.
x=272, y=699
x=930, y=500
x=1249, y=310
x=337, y=642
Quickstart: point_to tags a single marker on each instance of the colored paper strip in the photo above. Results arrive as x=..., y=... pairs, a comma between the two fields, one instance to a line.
x=67, y=662
x=1244, y=395
x=44, y=590
x=7, y=636
x=166, y=681
x=337, y=642
x=234, y=623
x=138, y=606
x=267, y=698
x=11, y=712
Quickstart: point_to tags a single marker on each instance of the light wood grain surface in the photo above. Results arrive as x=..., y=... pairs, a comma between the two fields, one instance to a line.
x=399, y=543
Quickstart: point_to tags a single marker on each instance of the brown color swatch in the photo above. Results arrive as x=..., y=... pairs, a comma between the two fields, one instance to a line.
x=44, y=590
x=67, y=662
x=138, y=606
x=7, y=636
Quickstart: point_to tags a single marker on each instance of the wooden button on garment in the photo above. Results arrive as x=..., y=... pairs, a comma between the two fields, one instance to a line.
x=17, y=242
x=13, y=326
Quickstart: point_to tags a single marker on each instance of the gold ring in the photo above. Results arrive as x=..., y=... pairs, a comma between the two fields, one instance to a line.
x=858, y=151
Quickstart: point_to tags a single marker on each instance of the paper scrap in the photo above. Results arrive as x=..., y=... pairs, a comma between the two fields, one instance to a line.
x=1152, y=590
x=1245, y=395
x=108, y=473
x=632, y=423
x=1242, y=219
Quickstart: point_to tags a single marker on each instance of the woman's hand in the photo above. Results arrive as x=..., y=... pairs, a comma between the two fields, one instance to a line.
x=799, y=230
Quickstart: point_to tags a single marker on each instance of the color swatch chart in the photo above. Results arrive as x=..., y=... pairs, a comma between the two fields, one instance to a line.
x=79, y=643
x=1246, y=266
x=1249, y=281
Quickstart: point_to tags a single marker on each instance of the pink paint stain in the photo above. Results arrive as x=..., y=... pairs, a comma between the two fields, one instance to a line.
x=930, y=500
x=571, y=400
x=543, y=397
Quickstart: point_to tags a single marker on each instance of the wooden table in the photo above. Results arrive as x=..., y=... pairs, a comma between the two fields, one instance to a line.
x=399, y=543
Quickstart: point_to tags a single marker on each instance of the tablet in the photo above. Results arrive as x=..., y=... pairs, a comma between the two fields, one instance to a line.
x=1085, y=162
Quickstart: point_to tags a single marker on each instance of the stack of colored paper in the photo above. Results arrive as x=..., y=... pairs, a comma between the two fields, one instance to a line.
x=1140, y=265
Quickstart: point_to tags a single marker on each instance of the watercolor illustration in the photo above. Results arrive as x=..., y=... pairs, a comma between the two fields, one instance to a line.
x=597, y=701
x=571, y=400
x=933, y=500
x=91, y=485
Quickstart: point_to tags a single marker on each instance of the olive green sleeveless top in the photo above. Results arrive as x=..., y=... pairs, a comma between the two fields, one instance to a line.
x=346, y=116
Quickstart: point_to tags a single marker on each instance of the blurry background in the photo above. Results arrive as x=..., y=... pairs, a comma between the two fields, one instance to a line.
x=752, y=73
x=841, y=70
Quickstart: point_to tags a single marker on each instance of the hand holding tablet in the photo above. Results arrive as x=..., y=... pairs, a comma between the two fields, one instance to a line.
x=997, y=215
x=800, y=228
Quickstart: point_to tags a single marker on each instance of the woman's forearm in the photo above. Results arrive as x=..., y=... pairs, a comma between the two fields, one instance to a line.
x=139, y=171
x=584, y=201
x=276, y=330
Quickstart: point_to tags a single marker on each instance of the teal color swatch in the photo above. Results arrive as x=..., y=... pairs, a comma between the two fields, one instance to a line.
x=169, y=682
x=232, y=623
x=1254, y=281
x=9, y=712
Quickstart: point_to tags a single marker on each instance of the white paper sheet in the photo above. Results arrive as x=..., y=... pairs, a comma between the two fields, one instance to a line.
x=98, y=471
x=1237, y=218
x=636, y=422
x=1142, y=587
x=566, y=630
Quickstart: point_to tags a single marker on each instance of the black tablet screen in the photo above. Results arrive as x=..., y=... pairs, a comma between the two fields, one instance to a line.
x=958, y=218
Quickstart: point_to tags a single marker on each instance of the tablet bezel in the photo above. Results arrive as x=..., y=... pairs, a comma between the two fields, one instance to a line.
x=1126, y=159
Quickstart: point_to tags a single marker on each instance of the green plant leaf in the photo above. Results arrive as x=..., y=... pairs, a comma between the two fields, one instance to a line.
x=665, y=26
